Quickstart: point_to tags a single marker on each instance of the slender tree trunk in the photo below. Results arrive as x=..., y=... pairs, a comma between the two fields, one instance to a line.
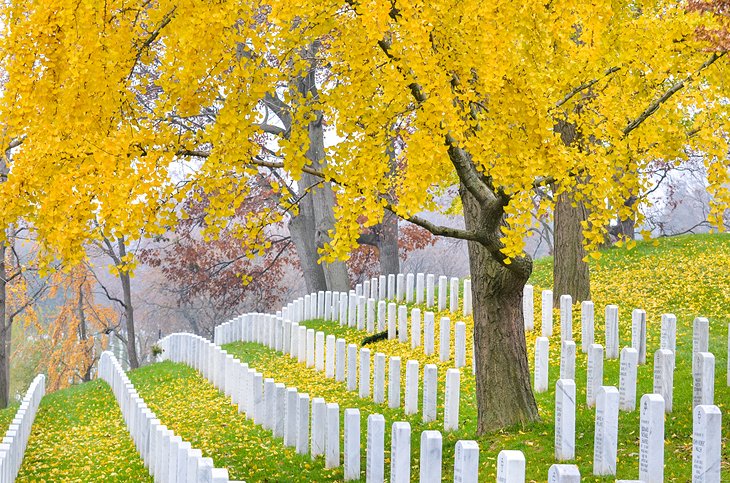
x=570, y=272
x=128, y=310
x=5, y=334
x=388, y=244
x=504, y=393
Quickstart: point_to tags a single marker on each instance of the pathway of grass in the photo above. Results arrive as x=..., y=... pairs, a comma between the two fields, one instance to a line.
x=79, y=435
x=195, y=410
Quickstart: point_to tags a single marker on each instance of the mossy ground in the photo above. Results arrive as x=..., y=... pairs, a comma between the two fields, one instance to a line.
x=79, y=434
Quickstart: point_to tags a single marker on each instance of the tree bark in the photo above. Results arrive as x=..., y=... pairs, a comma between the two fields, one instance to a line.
x=504, y=394
x=301, y=229
x=626, y=228
x=323, y=202
x=571, y=275
x=128, y=310
x=5, y=334
x=388, y=244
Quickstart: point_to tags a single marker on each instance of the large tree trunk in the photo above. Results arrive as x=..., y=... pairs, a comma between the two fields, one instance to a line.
x=570, y=272
x=323, y=202
x=128, y=310
x=504, y=393
x=388, y=244
x=5, y=334
x=301, y=228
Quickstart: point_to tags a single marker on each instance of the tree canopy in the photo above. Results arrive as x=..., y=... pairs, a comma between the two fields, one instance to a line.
x=108, y=100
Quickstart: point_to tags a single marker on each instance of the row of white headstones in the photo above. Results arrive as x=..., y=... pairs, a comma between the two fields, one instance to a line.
x=325, y=353
x=608, y=400
x=325, y=304
x=316, y=430
x=16, y=437
x=167, y=457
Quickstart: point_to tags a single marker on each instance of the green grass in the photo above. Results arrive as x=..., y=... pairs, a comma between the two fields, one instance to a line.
x=79, y=434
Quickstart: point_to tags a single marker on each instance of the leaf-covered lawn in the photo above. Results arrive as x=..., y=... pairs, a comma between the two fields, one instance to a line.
x=79, y=435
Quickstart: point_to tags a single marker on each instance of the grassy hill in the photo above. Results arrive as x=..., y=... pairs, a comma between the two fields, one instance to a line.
x=79, y=434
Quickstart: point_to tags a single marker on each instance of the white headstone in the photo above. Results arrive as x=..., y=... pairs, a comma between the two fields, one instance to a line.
x=452, y=399
x=409, y=288
x=467, y=311
x=510, y=466
x=594, y=375
x=402, y=324
x=668, y=338
x=566, y=317
x=292, y=410
x=627, y=379
x=364, y=373
x=332, y=440
x=428, y=333
x=706, y=444
x=429, y=290
x=431, y=448
x=565, y=420
x=381, y=315
x=567, y=360
x=411, y=397
x=564, y=474
x=542, y=365
x=319, y=351
x=279, y=411
x=420, y=278
x=700, y=338
x=379, y=378
x=454, y=295
x=330, y=357
x=375, y=463
x=547, y=313
x=460, y=344
x=664, y=376
x=269, y=394
x=340, y=345
x=443, y=280
x=303, y=424
x=444, y=339
x=394, y=383
x=651, y=439
x=371, y=315
x=352, y=310
x=391, y=286
x=466, y=462
x=528, y=307
x=361, y=312
x=586, y=325
x=319, y=426
x=392, y=328
x=704, y=379
x=351, y=367
x=638, y=334
x=415, y=328
x=352, y=444
x=612, y=338
x=310, y=347
x=400, y=453
x=400, y=288
x=605, y=442
x=430, y=381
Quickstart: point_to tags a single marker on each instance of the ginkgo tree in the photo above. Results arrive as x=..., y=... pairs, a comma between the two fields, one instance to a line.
x=498, y=98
